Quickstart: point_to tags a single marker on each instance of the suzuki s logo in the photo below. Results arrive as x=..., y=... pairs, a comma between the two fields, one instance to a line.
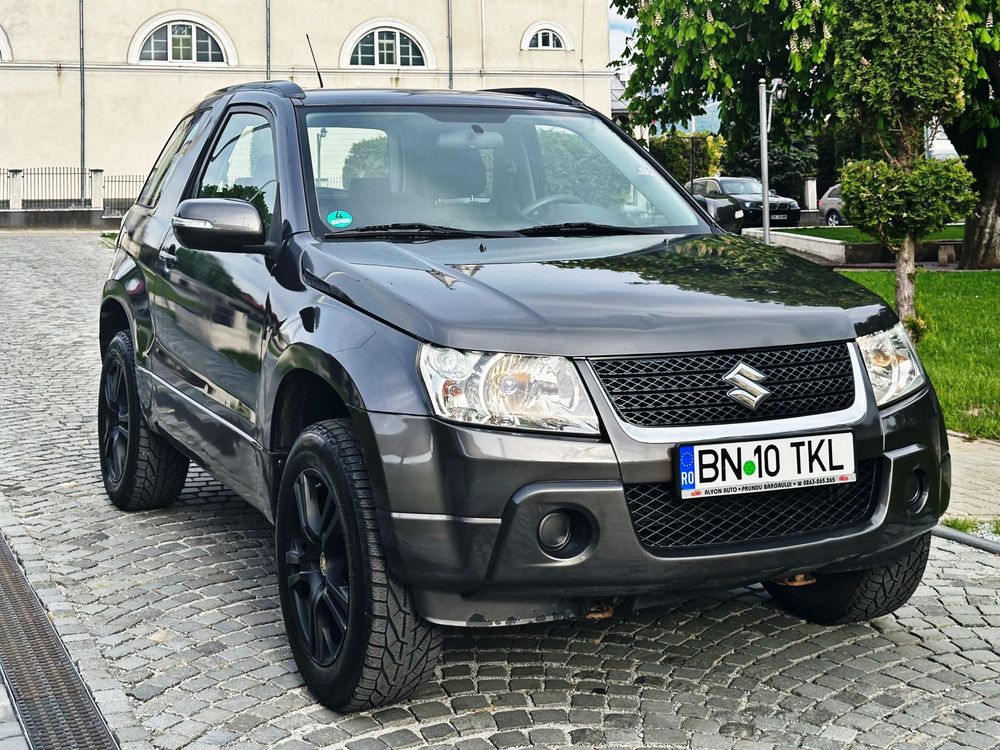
x=748, y=390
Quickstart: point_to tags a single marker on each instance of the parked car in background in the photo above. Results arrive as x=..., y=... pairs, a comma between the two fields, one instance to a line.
x=746, y=191
x=831, y=207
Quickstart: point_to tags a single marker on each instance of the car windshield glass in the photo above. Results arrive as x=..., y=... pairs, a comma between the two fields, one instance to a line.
x=741, y=186
x=480, y=169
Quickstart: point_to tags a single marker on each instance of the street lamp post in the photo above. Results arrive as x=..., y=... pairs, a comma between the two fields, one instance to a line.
x=777, y=92
x=765, y=203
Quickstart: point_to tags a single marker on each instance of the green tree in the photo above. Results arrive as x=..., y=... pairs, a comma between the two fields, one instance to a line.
x=900, y=64
x=685, y=52
x=791, y=159
x=367, y=158
x=674, y=153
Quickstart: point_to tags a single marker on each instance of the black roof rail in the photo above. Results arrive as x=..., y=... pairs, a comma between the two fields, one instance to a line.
x=287, y=89
x=549, y=95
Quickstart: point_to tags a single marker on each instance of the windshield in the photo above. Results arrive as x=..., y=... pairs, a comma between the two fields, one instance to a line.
x=741, y=186
x=479, y=169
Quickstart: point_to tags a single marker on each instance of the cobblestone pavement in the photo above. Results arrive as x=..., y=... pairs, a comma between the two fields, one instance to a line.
x=172, y=616
x=976, y=467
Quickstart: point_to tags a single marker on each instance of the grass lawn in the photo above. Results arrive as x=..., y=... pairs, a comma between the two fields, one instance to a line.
x=852, y=235
x=961, y=349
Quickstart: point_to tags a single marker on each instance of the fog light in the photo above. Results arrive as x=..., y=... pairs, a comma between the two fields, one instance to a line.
x=916, y=491
x=555, y=531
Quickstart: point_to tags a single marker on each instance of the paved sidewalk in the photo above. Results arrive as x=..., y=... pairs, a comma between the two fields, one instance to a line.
x=173, y=621
x=976, y=472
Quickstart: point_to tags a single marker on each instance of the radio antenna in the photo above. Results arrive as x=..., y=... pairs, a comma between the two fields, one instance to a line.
x=315, y=65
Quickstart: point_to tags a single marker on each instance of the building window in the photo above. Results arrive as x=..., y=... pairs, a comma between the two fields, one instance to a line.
x=388, y=48
x=182, y=41
x=546, y=39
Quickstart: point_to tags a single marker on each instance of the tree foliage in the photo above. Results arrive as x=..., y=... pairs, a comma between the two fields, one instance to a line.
x=900, y=64
x=791, y=160
x=674, y=153
x=367, y=158
x=685, y=52
x=891, y=202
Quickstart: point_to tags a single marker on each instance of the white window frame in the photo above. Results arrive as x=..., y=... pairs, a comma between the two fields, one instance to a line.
x=6, y=54
x=550, y=26
x=386, y=24
x=186, y=17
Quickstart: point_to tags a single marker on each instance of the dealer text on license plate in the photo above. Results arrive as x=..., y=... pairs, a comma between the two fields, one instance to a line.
x=760, y=465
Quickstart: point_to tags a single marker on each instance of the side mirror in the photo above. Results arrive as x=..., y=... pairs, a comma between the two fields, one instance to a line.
x=218, y=224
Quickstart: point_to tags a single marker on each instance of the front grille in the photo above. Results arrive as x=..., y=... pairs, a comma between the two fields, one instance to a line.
x=664, y=522
x=688, y=389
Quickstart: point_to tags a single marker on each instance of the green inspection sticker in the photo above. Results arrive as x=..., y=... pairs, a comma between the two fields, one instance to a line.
x=339, y=219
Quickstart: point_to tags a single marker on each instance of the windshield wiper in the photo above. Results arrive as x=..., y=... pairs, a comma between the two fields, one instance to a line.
x=414, y=229
x=584, y=227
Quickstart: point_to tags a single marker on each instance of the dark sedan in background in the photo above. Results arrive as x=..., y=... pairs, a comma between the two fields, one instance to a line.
x=746, y=191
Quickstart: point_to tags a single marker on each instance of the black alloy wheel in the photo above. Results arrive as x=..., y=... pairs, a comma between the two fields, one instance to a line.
x=117, y=420
x=141, y=468
x=318, y=569
x=353, y=629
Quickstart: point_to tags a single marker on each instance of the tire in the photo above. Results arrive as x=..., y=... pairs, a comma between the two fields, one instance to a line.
x=354, y=631
x=141, y=469
x=856, y=596
x=833, y=219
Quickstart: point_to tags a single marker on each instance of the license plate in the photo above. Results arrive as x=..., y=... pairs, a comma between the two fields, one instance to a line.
x=779, y=217
x=762, y=465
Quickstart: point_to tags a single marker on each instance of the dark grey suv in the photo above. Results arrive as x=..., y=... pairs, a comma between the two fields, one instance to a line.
x=483, y=363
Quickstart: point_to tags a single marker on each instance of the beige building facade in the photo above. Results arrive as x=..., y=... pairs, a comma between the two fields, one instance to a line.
x=148, y=61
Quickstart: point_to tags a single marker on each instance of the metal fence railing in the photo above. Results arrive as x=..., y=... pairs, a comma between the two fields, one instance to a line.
x=120, y=192
x=55, y=187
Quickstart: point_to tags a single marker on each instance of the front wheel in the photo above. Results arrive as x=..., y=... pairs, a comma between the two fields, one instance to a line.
x=857, y=595
x=354, y=632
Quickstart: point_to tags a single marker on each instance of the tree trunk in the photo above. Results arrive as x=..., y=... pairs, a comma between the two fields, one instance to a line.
x=905, y=270
x=981, y=248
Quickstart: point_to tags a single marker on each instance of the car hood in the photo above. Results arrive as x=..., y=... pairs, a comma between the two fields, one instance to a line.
x=632, y=294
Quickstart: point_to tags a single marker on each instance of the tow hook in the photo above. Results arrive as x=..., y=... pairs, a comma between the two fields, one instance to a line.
x=601, y=611
x=799, y=579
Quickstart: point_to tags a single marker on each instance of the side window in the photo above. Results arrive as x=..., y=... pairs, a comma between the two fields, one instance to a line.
x=835, y=193
x=572, y=165
x=242, y=165
x=712, y=188
x=177, y=145
x=698, y=188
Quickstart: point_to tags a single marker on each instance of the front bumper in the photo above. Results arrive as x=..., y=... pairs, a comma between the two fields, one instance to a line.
x=459, y=509
x=754, y=217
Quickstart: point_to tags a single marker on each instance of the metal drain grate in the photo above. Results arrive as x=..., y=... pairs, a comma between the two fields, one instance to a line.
x=50, y=698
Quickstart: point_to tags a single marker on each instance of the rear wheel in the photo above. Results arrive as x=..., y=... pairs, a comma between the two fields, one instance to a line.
x=833, y=219
x=354, y=632
x=857, y=595
x=141, y=470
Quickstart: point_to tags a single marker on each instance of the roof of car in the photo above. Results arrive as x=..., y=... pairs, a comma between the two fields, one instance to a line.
x=536, y=98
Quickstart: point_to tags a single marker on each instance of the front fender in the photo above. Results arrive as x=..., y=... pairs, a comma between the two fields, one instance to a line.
x=372, y=366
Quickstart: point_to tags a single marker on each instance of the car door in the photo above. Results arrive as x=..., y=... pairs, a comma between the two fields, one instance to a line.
x=211, y=312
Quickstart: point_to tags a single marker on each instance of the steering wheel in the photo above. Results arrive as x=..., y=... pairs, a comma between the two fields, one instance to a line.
x=548, y=200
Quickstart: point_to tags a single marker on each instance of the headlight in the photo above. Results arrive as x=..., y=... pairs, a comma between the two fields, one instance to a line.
x=753, y=204
x=892, y=364
x=507, y=390
x=793, y=204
